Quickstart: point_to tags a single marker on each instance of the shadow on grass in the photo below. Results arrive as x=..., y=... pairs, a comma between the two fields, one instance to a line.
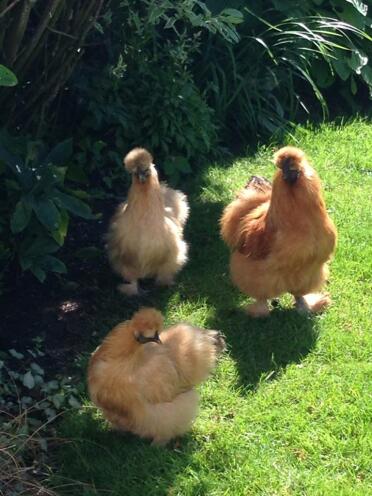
x=260, y=347
x=107, y=462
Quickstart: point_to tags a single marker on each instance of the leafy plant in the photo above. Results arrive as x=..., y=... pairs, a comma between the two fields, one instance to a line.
x=288, y=53
x=29, y=404
x=148, y=95
x=25, y=387
x=35, y=205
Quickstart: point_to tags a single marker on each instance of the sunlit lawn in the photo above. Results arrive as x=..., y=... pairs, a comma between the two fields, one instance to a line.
x=287, y=411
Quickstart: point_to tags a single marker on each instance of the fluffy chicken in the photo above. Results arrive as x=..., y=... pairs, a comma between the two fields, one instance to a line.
x=145, y=237
x=281, y=236
x=142, y=377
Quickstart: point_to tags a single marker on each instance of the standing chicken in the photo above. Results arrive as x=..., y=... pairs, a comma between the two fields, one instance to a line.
x=281, y=236
x=143, y=378
x=145, y=237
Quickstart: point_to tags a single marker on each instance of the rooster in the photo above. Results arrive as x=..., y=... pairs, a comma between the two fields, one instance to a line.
x=145, y=237
x=142, y=377
x=281, y=236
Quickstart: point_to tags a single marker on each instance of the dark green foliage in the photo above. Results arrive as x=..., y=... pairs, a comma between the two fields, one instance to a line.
x=41, y=42
x=289, y=53
x=35, y=205
x=148, y=96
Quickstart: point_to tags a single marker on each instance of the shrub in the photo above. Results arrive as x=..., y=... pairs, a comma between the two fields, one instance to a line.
x=288, y=53
x=35, y=204
x=147, y=96
x=29, y=404
x=41, y=42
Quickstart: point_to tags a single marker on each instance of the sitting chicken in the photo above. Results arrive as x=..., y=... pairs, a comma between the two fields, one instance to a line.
x=143, y=378
x=145, y=237
x=281, y=236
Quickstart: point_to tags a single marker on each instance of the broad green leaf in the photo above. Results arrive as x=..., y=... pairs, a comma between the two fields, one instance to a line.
x=53, y=264
x=367, y=75
x=40, y=246
x=232, y=16
x=73, y=205
x=47, y=213
x=38, y=273
x=28, y=380
x=21, y=216
x=342, y=69
x=76, y=172
x=7, y=77
x=60, y=154
x=22, y=173
x=60, y=234
x=89, y=253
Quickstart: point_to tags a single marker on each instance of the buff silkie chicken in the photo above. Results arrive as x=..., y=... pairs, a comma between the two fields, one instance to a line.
x=281, y=236
x=145, y=237
x=142, y=377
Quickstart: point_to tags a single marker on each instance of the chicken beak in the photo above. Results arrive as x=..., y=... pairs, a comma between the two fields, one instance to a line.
x=290, y=175
x=157, y=339
x=142, y=175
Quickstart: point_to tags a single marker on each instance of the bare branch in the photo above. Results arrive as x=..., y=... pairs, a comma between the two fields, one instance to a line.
x=7, y=9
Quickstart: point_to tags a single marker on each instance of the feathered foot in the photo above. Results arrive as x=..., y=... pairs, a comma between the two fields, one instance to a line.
x=129, y=288
x=259, y=308
x=218, y=340
x=312, y=303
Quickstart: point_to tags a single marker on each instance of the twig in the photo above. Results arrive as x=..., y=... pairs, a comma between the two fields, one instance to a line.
x=56, y=31
x=2, y=14
x=17, y=31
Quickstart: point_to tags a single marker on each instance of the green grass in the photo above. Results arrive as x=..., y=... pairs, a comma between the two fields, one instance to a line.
x=287, y=411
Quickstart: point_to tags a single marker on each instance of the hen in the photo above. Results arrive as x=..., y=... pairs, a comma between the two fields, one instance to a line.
x=143, y=378
x=145, y=237
x=281, y=236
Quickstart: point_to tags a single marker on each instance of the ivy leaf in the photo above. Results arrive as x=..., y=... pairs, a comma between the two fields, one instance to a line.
x=28, y=380
x=72, y=401
x=15, y=354
x=36, y=368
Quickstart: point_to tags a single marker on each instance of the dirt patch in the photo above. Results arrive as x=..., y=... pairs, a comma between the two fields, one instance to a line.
x=60, y=311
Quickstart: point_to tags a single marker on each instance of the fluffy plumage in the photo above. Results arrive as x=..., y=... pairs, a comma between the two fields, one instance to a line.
x=281, y=236
x=143, y=378
x=145, y=237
